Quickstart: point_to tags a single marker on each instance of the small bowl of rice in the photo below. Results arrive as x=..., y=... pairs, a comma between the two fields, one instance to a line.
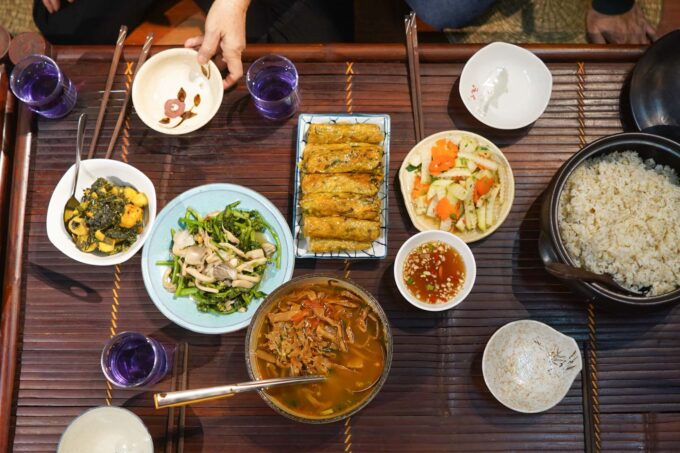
x=614, y=208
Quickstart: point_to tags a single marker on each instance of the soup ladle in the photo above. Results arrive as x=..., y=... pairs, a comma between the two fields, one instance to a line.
x=184, y=397
x=565, y=271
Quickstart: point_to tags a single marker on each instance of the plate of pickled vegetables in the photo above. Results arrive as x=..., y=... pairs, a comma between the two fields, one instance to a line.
x=459, y=182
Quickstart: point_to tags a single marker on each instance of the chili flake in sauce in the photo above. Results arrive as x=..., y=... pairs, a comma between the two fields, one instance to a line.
x=434, y=272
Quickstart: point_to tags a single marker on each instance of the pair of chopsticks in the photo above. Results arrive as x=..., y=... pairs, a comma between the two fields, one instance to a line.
x=414, y=73
x=107, y=91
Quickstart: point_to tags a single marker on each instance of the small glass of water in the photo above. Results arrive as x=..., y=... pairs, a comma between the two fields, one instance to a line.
x=38, y=82
x=273, y=83
x=131, y=359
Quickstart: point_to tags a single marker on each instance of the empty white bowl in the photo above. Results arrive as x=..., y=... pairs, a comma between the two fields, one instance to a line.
x=106, y=430
x=529, y=366
x=116, y=172
x=161, y=78
x=454, y=241
x=528, y=87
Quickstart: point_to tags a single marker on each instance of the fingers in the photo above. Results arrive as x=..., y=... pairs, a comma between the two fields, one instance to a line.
x=194, y=42
x=208, y=47
x=52, y=6
x=650, y=32
x=235, y=67
x=596, y=37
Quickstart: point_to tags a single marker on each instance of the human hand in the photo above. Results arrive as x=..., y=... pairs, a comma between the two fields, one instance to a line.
x=225, y=26
x=628, y=28
x=53, y=5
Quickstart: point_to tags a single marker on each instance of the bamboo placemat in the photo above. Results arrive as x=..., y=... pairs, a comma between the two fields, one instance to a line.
x=435, y=398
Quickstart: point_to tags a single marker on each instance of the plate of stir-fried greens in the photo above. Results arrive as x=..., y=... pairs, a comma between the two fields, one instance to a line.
x=214, y=253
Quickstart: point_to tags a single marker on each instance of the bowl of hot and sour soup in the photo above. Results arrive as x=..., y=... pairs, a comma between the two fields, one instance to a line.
x=435, y=270
x=320, y=325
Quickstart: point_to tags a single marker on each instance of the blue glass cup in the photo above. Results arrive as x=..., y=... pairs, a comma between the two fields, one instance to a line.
x=131, y=359
x=273, y=83
x=38, y=82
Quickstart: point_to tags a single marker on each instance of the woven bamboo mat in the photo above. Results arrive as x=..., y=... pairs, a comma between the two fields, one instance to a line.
x=435, y=398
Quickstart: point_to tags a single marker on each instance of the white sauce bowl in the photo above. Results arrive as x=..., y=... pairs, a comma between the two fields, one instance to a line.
x=458, y=245
x=529, y=86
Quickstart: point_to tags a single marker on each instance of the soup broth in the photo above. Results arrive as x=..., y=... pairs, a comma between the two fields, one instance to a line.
x=327, y=330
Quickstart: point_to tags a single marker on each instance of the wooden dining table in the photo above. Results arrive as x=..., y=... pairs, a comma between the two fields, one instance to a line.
x=57, y=313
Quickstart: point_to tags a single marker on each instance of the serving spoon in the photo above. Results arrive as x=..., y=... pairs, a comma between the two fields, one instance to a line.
x=565, y=271
x=183, y=397
x=73, y=202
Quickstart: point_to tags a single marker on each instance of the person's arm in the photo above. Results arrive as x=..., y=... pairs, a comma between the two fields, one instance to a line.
x=225, y=27
x=618, y=22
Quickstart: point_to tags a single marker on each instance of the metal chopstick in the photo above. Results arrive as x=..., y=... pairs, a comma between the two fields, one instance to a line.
x=123, y=110
x=122, y=34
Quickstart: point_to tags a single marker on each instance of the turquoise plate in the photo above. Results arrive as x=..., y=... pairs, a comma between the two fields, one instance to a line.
x=205, y=199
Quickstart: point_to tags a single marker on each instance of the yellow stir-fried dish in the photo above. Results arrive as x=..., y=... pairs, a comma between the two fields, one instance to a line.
x=108, y=219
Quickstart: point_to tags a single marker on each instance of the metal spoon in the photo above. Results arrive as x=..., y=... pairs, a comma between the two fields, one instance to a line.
x=565, y=271
x=184, y=397
x=73, y=202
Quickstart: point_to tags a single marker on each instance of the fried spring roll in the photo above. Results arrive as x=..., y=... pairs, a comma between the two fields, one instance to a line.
x=335, y=245
x=361, y=183
x=336, y=227
x=342, y=158
x=350, y=205
x=342, y=133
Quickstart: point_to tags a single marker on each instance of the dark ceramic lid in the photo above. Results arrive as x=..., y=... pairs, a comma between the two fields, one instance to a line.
x=655, y=88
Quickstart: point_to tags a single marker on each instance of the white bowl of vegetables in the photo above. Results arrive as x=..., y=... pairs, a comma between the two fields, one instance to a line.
x=459, y=182
x=117, y=211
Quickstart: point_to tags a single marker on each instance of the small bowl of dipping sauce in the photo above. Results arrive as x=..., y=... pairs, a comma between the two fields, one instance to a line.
x=435, y=270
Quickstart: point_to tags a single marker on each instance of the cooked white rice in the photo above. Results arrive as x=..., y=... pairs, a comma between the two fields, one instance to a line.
x=620, y=215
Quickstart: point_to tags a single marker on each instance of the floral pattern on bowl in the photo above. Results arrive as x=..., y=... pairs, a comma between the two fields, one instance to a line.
x=173, y=94
x=529, y=366
x=176, y=108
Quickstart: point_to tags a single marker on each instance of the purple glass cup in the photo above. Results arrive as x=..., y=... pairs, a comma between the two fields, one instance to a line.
x=38, y=82
x=131, y=359
x=273, y=83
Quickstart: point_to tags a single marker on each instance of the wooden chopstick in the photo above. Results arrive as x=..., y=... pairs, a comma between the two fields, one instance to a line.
x=412, y=87
x=414, y=79
x=416, y=71
x=586, y=394
x=184, y=382
x=107, y=90
x=170, y=421
x=121, y=116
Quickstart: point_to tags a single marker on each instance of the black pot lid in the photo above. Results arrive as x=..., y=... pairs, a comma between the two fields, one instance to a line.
x=655, y=88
